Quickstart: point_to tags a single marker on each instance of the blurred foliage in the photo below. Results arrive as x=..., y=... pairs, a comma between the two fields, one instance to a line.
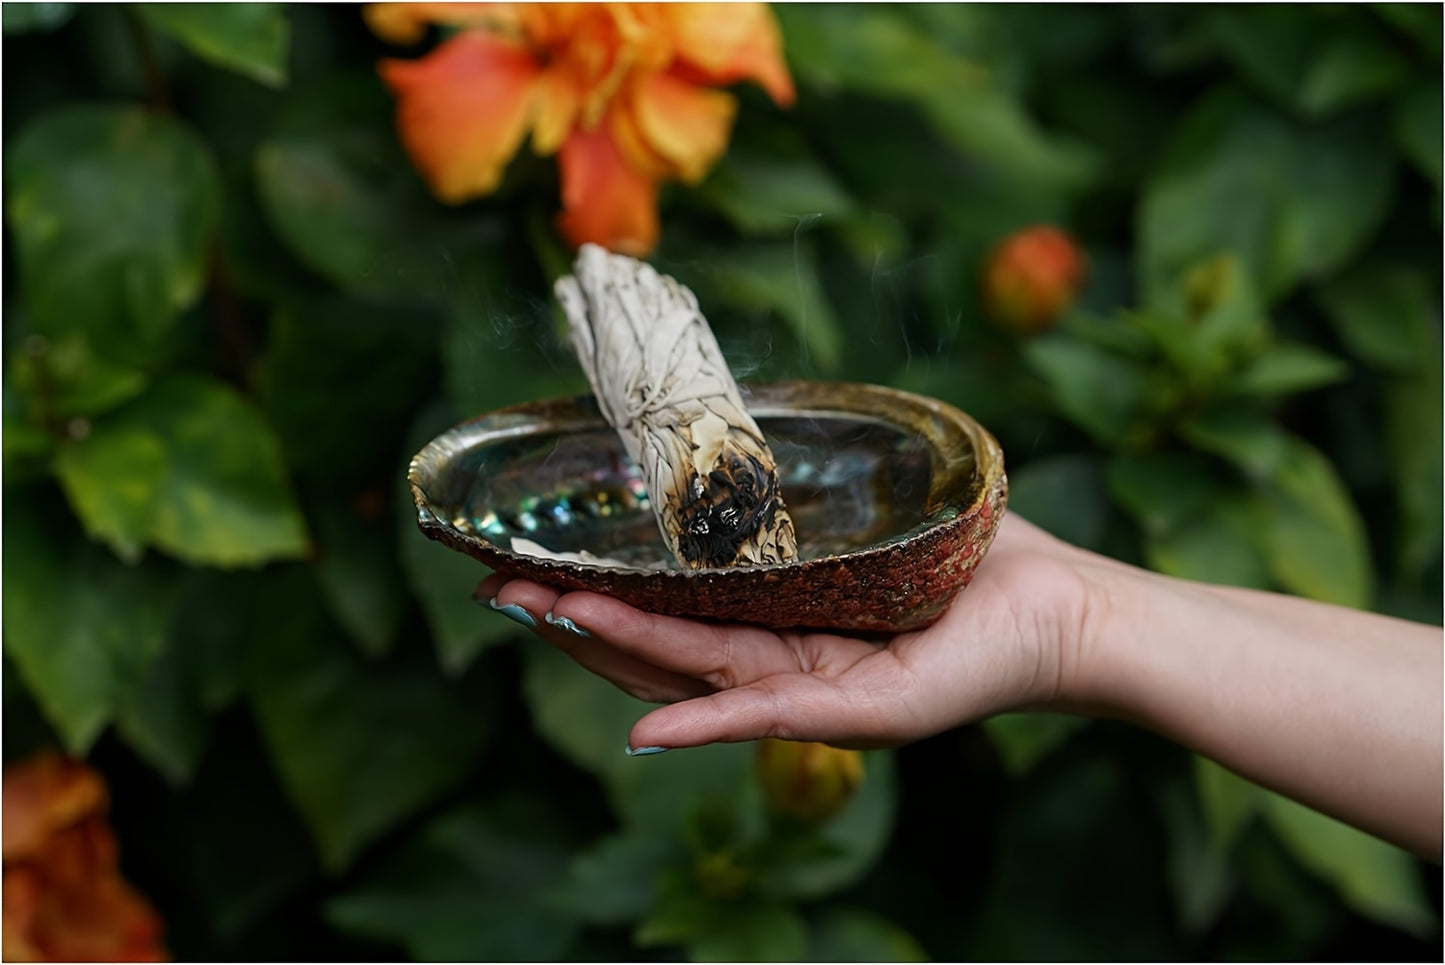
x=232, y=312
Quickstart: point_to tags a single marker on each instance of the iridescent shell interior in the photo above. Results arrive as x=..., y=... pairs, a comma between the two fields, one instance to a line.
x=864, y=471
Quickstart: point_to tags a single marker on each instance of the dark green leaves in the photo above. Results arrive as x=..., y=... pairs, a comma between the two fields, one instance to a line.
x=81, y=628
x=472, y=886
x=1292, y=201
x=249, y=38
x=156, y=473
x=111, y=208
x=356, y=751
x=1375, y=878
x=876, y=51
x=1308, y=60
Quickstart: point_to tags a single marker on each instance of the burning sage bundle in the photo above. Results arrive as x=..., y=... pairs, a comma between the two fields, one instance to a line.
x=661, y=381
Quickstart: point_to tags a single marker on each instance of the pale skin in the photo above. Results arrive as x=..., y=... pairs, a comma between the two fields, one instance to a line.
x=1337, y=708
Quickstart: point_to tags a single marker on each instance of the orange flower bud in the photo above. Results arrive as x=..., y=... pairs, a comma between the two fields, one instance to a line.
x=1031, y=277
x=806, y=781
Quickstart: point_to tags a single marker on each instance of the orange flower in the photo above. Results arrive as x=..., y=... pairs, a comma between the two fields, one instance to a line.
x=64, y=899
x=1031, y=277
x=616, y=90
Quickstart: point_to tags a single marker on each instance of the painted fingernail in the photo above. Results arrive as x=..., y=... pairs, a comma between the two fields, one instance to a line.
x=513, y=612
x=563, y=623
x=643, y=751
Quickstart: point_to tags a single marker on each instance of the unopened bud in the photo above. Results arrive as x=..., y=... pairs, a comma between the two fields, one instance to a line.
x=1031, y=277
x=805, y=781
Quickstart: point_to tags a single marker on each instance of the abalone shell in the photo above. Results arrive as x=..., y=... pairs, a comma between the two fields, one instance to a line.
x=895, y=497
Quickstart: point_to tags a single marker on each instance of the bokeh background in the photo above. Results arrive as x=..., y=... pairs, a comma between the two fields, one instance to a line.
x=233, y=310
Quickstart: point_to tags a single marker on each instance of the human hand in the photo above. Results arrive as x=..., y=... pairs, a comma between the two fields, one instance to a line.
x=1012, y=639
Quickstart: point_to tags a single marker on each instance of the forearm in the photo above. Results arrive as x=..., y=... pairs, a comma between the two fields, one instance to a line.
x=1336, y=708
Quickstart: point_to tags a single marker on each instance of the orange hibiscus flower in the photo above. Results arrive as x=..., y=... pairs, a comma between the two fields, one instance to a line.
x=64, y=898
x=617, y=90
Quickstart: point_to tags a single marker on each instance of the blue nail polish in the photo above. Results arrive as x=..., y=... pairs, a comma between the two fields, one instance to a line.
x=643, y=751
x=563, y=623
x=513, y=612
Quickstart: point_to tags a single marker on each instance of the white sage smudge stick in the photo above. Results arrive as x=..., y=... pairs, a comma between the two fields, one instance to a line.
x=662, y=382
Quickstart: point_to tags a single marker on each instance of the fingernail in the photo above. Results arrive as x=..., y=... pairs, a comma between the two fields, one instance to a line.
x=563, y=623
x=513, y=612
x=643, y=751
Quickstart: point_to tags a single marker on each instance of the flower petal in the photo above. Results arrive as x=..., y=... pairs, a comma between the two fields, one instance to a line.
x=686, y=125
x=558, y=99
x=721, y=43
x=604, y=200
x=406, y=23
x=43, y=795
x=463, y=109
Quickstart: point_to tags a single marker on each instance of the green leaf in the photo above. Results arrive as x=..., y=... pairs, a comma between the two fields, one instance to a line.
x=587, y=720
x=752, y=932
x=357, y=749
x=113, y=479
x=19, y=18
x=1386, y=316
x=162, y=472
x=1242, y=435
x=877, y=51
x=1418, y=21
x=359, y=572
x=1414, y=427
x=1314, y=536
x=340, y=379
x=1227, y=800
x=211, y=626
x=471, y=886
x=63, y=378
x=615, y=880
x=1094, y=389
x=111, y=208
x=1163, y=491
x=1419, y=129
x=1064, y=495
x=442, y=578
x=1285, y=368
x=1293, y=202
x=343, y=198
x=249, y=38
x=1200, y=875
x=1218, y=544
x=81, y=628
x=163, y=718
x=1316, y=63
x=857, y=935
x=1022, y=740
x=1374, y=878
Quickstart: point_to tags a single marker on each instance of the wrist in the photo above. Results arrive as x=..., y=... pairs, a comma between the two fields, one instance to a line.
x=1099, y=668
